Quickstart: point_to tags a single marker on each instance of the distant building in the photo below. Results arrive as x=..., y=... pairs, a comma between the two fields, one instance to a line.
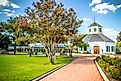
x=98, y=42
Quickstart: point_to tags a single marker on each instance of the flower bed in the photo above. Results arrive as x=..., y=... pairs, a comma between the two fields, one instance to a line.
x=111, y=66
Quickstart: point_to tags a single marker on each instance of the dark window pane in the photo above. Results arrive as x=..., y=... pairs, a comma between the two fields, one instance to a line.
x=100, y=30
x=94, y=29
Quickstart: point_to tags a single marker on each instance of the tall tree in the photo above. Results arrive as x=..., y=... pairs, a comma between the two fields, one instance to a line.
x=78, y=41
x=75, y=40
x=4, y=41
x=12, y=25
x=52, y=24
x=119, y=37
x=118, y=44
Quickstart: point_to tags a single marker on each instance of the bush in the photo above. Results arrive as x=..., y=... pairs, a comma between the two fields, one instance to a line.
x=106, y=58
x=98, y=58
x=111, y=65
x=115, y=74
x=4, y=52
x=116, y=62
x=86, y=52
x=118, y=52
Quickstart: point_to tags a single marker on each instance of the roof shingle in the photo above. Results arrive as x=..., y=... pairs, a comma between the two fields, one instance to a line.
x=97, y=38
x=95, y=24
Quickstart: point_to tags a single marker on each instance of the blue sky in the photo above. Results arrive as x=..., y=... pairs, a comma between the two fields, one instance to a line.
x=106, y=12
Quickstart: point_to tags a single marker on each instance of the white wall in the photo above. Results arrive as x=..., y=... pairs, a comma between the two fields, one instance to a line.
x=92, y=30
x=110, y=44
x=102, y=46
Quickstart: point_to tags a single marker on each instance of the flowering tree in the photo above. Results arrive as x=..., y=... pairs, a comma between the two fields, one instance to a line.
x=52, y=24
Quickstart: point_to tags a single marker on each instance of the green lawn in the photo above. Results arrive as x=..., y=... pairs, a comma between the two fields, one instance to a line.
x=19, y=53
x=24, y=68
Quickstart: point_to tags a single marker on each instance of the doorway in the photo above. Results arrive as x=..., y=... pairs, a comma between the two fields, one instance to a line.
x=96, y=50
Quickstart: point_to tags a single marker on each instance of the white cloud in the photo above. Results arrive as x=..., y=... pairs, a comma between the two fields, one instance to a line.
x=4, y=2
x=6, y=10
x=104, y=8
x=12, y=11
x=8, y=3
x=103, y=11
x=86, y=19
x=119, y=6
x=111, y=33
x=111, y=8
x=95, y=2
x=86, y=22
x=8, y=14
x=14, y=5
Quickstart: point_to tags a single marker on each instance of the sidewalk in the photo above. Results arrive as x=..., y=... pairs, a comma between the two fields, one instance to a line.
x=82, y=69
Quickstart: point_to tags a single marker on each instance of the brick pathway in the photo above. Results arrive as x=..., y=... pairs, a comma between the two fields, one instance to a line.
x=82, y=69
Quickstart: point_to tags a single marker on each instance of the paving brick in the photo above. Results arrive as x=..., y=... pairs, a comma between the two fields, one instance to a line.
x=82, y=69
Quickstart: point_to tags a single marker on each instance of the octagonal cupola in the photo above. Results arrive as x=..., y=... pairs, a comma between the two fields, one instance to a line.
x=95, y=28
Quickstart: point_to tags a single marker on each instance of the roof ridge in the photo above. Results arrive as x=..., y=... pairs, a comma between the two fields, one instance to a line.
x=106, y=37
x=101, y=37
x=89, y=37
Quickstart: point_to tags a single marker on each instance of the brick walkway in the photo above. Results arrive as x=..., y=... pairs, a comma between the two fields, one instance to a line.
x=82, y=69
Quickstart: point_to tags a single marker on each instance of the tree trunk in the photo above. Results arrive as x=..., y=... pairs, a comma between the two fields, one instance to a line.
x=77, y=50
x=51, y=58
x=15, y=48
x=70, y=53
x=30, y=52
x=46, y=55
x=35, y=53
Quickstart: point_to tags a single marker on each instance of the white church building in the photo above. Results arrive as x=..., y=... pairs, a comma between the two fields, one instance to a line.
x=97, y=41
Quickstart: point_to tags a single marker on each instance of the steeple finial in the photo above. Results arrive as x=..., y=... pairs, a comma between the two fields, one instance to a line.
x=94, y=19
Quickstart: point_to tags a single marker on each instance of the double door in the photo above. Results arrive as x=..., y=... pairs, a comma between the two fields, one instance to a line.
x=96, y=50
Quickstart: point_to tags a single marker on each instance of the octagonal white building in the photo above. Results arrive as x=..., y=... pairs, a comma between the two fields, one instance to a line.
x=98, y=42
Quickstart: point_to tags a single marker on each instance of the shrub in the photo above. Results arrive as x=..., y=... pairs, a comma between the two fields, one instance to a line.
x=118, y=52
x=116, y=62
x=98, y=58
x=4, y=52
x=106, y=58
x=115, y=74
x=86, y=52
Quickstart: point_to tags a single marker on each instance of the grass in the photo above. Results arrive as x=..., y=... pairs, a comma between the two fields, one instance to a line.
x=18, y=53
x=24, y=68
